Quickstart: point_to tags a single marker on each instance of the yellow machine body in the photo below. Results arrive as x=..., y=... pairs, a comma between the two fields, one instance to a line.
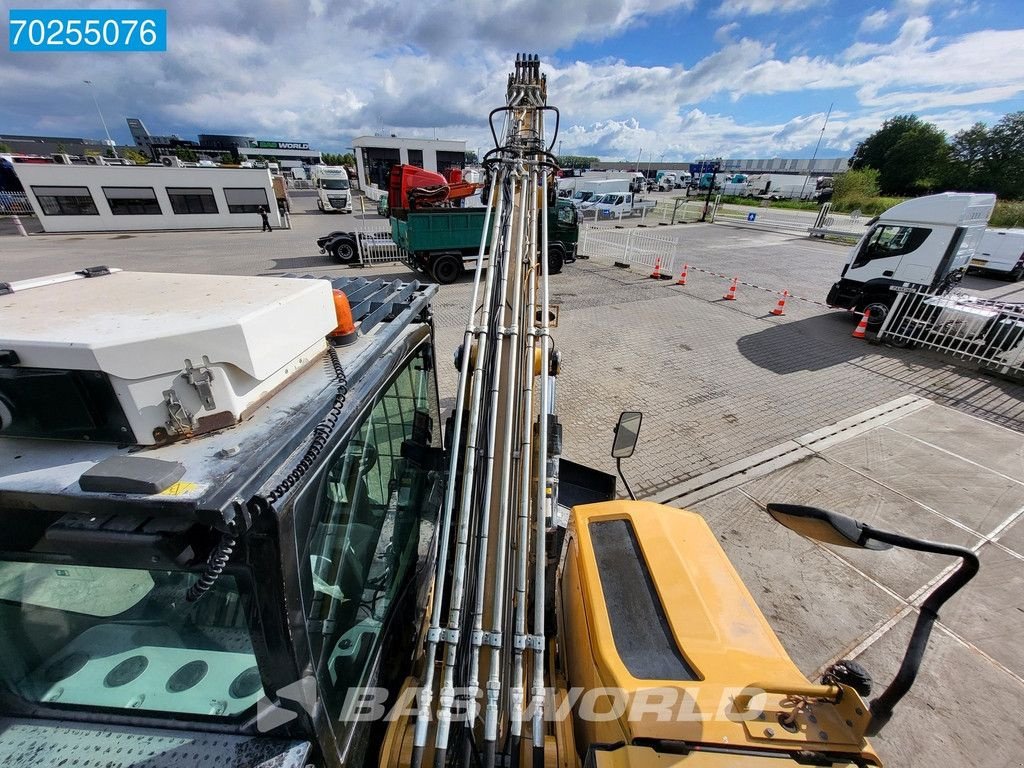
x=652, y=611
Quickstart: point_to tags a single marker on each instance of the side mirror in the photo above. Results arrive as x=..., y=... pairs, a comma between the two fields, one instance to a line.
x=626, y=433
x=834, y=528
x=824, y=526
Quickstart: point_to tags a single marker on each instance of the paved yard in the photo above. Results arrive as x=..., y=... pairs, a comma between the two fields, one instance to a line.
x=720, y=381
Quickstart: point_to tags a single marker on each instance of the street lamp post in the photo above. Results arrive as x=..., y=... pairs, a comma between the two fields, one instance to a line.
x=110, y=141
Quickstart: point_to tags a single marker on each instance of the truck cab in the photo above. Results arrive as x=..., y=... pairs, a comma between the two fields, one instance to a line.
x=333, y=189
x=925, y=243
x=216, y=527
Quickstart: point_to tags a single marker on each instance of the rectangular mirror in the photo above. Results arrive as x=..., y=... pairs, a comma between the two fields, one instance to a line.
x=626, y=433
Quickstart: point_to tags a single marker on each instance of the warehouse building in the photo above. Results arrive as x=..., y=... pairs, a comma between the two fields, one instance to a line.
x=375, y=155
x=118, y=198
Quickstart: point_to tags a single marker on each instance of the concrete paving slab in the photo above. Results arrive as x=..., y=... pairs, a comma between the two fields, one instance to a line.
x=990, y=445
x=1012, y=537
x=977, y=497
x=820, y=483
x=962, y=711
x=816, y=603
x=989, y=611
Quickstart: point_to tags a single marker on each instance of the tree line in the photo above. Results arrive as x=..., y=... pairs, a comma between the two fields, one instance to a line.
x=913, y=157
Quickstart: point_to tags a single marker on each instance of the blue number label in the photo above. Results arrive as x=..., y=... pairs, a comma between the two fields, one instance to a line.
x=87, y=29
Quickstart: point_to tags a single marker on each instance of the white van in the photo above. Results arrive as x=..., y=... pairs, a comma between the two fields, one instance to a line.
x=1002, y=251
x=926, y=242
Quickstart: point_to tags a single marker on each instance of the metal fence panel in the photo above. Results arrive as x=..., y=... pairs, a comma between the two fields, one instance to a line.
x=14, y=204
x=987, y=332
x=375, y=246
x=635, y=247
x=849, y=226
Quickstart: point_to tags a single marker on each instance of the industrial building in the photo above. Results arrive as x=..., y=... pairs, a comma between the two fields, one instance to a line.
x=822, y=166
x=288, y=154
x=376, y=154
x=117, y=198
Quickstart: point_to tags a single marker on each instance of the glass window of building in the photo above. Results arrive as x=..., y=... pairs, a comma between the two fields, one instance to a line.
x=65, y=201
x=192, y=200
x=132, y=201
x=241, y=200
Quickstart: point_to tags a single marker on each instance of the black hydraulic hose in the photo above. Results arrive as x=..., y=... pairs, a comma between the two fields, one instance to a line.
x=882, y=706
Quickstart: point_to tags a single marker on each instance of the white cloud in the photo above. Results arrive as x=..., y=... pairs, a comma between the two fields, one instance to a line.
x=875, y=21
x=762, y=7
x=344, y=69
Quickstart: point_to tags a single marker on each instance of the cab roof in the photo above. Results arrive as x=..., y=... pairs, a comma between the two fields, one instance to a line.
x=45, y=474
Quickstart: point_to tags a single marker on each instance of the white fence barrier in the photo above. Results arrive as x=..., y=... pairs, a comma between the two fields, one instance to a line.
x=14, y=204
x=375, y=246
x=849, y=226
x=989, y=333
x=634, y=247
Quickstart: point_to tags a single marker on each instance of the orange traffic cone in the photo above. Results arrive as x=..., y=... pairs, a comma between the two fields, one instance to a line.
x=682, y=275
x=731, y=295
x=860, y=331
x=780, y=308
x=656, y=274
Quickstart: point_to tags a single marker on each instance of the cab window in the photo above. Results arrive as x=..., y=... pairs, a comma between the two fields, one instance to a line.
x=372, y=524
x=889, y=240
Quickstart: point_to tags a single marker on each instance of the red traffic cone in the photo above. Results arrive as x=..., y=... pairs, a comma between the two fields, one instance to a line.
x=731, y=295
x=656, y=274
x=860, y=331
x=780, y=308
x=682, y=275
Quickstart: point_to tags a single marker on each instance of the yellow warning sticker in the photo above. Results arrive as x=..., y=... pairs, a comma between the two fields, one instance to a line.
x=180, y=488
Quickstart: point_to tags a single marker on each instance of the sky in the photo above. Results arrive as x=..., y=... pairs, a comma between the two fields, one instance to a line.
x=656, y=79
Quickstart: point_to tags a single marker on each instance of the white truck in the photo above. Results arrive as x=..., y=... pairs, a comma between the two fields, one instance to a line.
x=927, y=242
x=615, y=205
x=1001, y=251
x=333, y=190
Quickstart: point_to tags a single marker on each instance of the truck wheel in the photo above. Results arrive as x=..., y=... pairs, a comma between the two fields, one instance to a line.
x=344, y=251
x=555, y=260
x=878, y=312
x=446, y=269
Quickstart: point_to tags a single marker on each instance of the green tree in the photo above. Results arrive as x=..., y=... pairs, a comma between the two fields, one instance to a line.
x=4, y=147
x=61, y=149
x=471, y=158
x=969, y=158
x=855, y=185
x=348, y=159
x=909, y=154
x=576, y=161
x=135, y=156
x=186, y=155
x=227, y=159
x=1005, y=159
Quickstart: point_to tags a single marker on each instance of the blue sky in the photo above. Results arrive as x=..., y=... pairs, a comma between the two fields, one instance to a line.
x=672, y=78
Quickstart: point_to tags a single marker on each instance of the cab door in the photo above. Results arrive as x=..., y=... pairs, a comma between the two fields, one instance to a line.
x=882, y=253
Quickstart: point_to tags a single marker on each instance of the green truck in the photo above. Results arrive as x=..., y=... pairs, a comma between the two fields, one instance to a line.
x=443, y=242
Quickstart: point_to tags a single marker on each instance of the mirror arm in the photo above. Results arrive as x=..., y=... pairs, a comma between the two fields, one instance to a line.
x=618, y=468
x=882, y=706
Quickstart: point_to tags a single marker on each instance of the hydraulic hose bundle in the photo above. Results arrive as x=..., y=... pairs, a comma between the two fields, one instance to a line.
x=483, y=685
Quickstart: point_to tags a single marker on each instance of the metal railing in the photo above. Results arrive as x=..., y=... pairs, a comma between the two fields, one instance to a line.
x=848, y=226
x=631, y=247
x=15, y=204
x=375, y=246
x=989, y=333
x=760, y=215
